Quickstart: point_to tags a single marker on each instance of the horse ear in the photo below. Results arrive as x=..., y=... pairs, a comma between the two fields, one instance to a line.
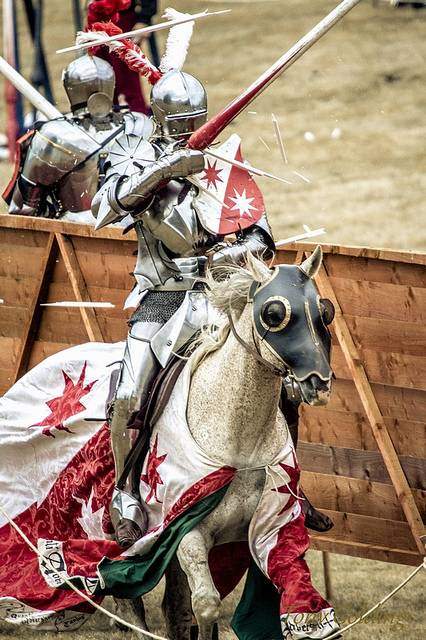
x=312, y=265
x=259, y=270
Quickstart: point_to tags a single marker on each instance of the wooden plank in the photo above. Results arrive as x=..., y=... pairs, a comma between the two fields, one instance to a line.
x=327, y=576
x=377, y=334
x=88, y=231
x=354, y=495
x=369, y=551
x=409, y=257
x=357, y=268
x=12, y=319
x=352, y=430
x=394, y=369
x=352, y=527
x=17, y=291
x=30, y=223
x=353, y=463
x=79, y=287
x=9, y=351
x=17, y=262
x=374, y=416
x=107, y=246
x=108, y=270
x=66, y=326
x=372, y=300
x=6, y=380
x=42, y=350
x=393, y=402
x=35, y=311
x=21, y=238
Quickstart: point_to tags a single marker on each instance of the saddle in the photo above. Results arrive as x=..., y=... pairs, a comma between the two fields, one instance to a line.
x=145, y=418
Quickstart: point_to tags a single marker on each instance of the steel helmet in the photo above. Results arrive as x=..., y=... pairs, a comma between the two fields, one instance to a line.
x=89, y=84
x=179, y=103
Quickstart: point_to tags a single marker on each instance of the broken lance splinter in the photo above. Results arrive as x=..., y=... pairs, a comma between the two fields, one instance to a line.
x=144, y=30
x=205, y=135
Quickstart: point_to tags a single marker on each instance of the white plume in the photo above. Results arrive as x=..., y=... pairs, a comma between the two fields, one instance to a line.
x=97, y=37
x=177, y=42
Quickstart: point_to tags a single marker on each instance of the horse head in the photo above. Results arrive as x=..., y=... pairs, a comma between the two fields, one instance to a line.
x=290, y=322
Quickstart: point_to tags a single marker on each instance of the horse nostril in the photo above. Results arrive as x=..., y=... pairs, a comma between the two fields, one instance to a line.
x=319, y=384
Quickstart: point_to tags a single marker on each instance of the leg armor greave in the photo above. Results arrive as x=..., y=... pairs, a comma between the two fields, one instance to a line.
x=138, y=370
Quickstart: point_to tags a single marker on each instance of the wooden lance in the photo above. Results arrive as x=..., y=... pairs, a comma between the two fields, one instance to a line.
x=23, y=86
x=205, y=135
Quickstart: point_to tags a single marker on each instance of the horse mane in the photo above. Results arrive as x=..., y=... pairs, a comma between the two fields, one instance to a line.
x=227, y=290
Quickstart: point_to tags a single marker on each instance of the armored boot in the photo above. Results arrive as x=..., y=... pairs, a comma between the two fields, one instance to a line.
x=128, y=518
x=290, y=401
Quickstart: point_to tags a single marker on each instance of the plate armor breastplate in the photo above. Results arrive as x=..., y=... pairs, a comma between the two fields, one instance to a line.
x=167, y=239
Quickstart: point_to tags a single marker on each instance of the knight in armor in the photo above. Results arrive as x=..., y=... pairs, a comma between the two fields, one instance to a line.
x=59, y=163
x=156, y=182
x=174, y=247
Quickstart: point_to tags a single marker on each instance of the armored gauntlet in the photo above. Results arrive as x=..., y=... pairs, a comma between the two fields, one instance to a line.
x=130, y=193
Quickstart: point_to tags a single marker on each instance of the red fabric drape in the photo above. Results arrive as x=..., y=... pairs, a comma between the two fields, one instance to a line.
x=127, y=82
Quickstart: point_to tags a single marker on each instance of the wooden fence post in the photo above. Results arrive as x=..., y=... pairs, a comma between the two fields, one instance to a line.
x=79, y=287
x=327, y=575
x=35, y=311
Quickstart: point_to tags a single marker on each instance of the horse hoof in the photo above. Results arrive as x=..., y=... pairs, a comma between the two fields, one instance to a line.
x=127, y=533
x=316, y=520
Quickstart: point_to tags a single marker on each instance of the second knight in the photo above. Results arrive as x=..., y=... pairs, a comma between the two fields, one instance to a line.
x=59, y=163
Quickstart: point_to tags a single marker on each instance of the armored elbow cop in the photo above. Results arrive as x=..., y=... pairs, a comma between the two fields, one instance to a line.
x=257, y=240
x=129, y=192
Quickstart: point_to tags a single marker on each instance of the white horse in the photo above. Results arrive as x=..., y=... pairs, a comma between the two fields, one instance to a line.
x=276, y=325
x=222, y=422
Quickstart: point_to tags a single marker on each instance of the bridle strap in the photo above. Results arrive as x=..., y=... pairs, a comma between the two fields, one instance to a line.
x=254, y=352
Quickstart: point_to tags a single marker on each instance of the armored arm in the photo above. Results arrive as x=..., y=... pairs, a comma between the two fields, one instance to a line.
x=122, y=195
x=256, y=239
x=57, y=148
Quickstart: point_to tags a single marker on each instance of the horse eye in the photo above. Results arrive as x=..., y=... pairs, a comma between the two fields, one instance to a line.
x=327, y=310
x=274, y=313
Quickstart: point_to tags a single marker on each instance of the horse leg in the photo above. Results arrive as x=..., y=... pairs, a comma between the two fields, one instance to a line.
x=176, y=603
x=131, y=610
x=193, y=554
x=314, y=519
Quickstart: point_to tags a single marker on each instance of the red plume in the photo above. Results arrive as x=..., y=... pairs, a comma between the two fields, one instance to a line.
x=105, y=10
x=128, y=51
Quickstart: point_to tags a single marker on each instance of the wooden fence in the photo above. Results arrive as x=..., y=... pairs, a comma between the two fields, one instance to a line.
x=363, y=455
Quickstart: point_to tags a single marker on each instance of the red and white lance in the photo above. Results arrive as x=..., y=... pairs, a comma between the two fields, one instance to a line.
x=205, y=135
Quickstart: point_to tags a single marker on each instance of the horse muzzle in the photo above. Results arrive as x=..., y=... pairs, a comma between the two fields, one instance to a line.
x=315, y=391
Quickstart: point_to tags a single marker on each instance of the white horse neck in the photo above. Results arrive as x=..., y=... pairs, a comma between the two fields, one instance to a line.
x=233, y=401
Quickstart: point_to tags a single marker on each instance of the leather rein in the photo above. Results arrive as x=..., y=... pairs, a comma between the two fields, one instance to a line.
x=254, y=351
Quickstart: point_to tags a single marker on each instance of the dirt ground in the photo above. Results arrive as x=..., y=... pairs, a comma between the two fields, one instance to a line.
x=366, y=78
